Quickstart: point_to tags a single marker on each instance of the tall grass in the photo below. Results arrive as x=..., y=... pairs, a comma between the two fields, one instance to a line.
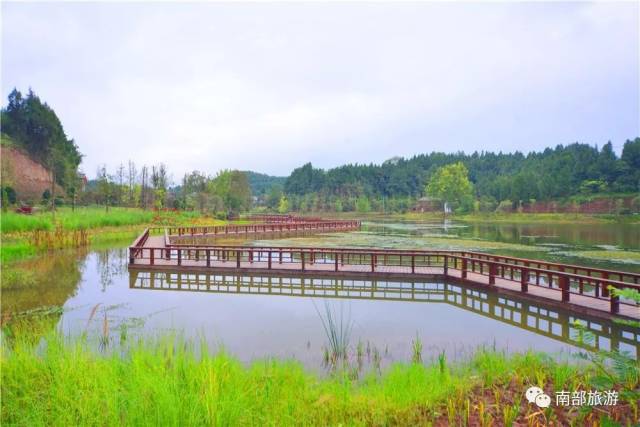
x=170, y=381
x=337, y=327
x=81, y=218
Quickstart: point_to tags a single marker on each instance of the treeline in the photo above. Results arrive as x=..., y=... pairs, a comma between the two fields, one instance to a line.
x=566, y=171
x=32, y=125
x=227, y=193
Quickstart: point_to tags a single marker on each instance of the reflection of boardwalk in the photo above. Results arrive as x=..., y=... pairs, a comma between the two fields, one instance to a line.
x=579, y=288
x=534, y=317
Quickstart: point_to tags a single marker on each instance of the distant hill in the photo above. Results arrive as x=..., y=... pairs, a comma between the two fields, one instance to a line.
x=260, y=183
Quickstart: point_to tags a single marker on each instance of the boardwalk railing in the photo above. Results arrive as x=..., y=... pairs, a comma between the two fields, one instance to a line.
x=566, y=280
x=280, y=218
x=278, y=227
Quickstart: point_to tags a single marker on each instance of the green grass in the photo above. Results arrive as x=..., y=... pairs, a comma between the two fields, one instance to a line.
x=81, y=218
x=166, y=381
x=104, y=227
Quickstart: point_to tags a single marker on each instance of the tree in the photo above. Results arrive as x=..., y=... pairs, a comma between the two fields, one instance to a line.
x=451, y=184
x=363, y=205
x=33, y=125
x=273, y=197
x=131, y=177
x=283, y=206
x=104, y=186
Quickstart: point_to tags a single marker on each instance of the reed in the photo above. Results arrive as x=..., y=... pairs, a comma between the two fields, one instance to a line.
x=416, y=347
x=337, y=326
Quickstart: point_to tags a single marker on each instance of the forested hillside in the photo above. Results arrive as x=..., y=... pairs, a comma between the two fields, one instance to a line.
x=34, y=127
x=261, y=183
x=564, y=171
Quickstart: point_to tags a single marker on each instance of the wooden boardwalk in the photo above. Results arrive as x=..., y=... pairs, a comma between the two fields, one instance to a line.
x=577, y=288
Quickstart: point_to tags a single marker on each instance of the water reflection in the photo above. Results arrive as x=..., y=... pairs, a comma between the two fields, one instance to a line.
x=625, y=236
x=532, y=317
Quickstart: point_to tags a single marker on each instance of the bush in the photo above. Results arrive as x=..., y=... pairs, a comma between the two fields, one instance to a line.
x=10, y=195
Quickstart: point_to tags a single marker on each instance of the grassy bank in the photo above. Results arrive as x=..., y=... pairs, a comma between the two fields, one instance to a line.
x=23, y=235
x=166, y=382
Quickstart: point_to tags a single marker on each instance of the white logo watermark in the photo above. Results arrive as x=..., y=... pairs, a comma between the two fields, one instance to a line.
x=536, y=395
x=576, y=398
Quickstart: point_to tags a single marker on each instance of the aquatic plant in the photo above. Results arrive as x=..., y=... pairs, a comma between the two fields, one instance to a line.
x=416, y=347
x=337, y=327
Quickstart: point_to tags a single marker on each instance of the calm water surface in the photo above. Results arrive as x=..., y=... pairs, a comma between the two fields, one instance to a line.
x=257, y=317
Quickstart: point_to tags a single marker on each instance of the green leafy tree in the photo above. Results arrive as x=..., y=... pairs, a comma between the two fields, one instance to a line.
x=451, y=184
x=34, y=125
x=363, y=205
x=283, y=206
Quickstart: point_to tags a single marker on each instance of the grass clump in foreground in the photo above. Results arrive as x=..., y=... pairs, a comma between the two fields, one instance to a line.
x=166, y=381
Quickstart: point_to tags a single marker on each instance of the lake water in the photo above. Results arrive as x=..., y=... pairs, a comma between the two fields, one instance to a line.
x=258, y=317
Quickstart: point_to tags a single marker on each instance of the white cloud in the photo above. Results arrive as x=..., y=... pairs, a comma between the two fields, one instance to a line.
x=270, y=86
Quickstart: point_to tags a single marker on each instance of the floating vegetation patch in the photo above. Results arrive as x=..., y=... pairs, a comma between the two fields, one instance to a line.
x=629, y=257
x=363, y=239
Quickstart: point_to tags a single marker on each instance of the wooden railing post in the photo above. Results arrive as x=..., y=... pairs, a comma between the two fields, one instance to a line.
x=336, y=260
x=446, y=266
x=238, y=256
x=614, y=302
x=179, y=256
x=131, y=256
x=524, y=280
x=269, y=260
x=208, y=257
x=302, y=259
x=463, y=273
x=413, y=263
x=152, y=257
x=564, y=287
x=492, y=273
x=373, y=263
x=605, y=289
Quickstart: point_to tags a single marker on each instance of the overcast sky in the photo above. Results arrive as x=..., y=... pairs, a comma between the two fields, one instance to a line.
x=269, y=87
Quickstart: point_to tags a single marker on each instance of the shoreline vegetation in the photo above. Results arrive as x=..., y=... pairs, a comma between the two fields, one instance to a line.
x=167, y=380
x=28, y=235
